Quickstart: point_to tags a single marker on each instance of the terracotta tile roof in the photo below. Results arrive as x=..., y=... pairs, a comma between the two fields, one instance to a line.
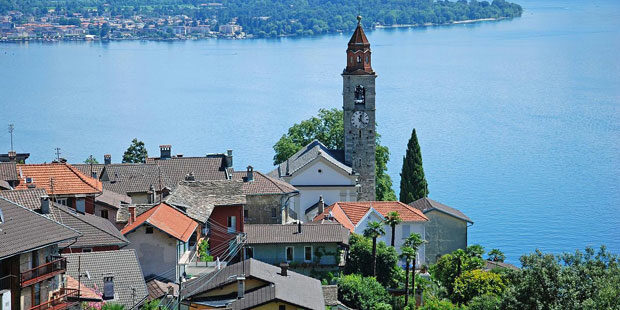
x=158, y=289
x=262, y=184
x=24, y=230
x=58, y=179
x=85, y=291
x=8, y=172
x=349, y=214
x=167, y=219
x=29, y=198
x=426, y=205
x=288, y=233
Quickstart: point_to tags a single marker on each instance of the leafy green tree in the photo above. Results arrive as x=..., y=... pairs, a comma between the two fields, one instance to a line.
x=112, y=306
x=374, y=231
x=413, y=184
x=477, y=282
x=328, y=128
x=450, y=266
x=495, y=255
x=392, y=219
x=91, y=160
x=589, y=280
x=135, y=153
x=359, y=292
x=485, y=302
x=360, y=260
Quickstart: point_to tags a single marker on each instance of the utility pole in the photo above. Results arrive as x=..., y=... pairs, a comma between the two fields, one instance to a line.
x=11, y=129
x=57, y=154
x=179, y=300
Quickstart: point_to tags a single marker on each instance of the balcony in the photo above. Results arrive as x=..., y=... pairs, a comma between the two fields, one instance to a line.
x=43, y=272
x=59, y=301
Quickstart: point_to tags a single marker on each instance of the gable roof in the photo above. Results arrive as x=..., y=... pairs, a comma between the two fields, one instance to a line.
x=123, y=265
x=167, y=219
x=29, y=198
x=262, y=184
x=287, y=233
x=96, y=231
x=86, y=169
x=295, y=288
x=199, y=198
x=112, y=199
x=23, y=230
x=132, y=178
x=8, y=172
x=349, y=214
x=210, y=167
x=58, y=179
x=306, y=155
x=426, y=204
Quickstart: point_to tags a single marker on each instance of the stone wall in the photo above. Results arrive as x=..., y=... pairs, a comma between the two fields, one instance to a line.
x=260, y=209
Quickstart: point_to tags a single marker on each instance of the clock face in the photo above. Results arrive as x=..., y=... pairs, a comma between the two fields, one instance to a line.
x=359, y=119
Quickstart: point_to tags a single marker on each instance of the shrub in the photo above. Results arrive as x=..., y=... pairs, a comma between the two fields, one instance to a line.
x=476, y=283
x=360, y=292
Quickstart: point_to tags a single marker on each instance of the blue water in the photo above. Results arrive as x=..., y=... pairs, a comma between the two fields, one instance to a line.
x=518, y=120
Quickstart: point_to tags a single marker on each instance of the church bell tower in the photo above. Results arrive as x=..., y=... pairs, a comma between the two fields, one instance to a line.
x=358, y=96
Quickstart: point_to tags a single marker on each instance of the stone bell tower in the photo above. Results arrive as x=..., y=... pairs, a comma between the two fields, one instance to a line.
x=358, y=96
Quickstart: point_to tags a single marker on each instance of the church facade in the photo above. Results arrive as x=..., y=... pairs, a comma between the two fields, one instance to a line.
x=324, y=176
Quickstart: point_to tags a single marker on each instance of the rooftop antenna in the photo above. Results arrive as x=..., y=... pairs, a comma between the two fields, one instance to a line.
x=11, y=129
x=57, y=154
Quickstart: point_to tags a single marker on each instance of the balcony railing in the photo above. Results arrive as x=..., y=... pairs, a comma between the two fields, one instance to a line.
x=58, y=302
x=43, y=272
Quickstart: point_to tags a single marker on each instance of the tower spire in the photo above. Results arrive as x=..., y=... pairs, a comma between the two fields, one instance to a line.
x=358, y=52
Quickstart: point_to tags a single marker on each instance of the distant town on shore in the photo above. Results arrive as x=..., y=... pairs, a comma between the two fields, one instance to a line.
x=235, y=19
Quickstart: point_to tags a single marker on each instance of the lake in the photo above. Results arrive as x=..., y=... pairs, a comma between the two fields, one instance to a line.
x=518, y=120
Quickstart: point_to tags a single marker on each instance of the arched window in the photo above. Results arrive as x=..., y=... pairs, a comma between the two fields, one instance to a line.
x=359, y=59
x=366, y=58
x=360, y=94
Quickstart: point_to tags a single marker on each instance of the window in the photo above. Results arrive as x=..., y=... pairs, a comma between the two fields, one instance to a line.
x=80, y=205
x=232, y=224
x=359, y=59
x=36, y=294
x=62, y=201
x=149, y=229
x=406, y=229
x=366, y=58
x=360, y=94
x=308, y=254
x=274, y=212
x=281, y=307
x=87, y=250
x=104, y=214
x=289, y=253
x=246, y=214
x=249, y=252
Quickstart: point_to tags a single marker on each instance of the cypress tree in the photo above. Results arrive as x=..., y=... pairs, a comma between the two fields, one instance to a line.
x=413, y=185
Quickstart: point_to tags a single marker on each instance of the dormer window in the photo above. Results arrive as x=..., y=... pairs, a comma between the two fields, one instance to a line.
x=360, y=94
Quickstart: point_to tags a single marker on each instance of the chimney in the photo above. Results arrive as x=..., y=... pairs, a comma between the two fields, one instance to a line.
x=190, y=177
x=250, y=174
x=229, y=159
x=107, y=159
x=45, y=204
x=284, y=269
x=321, y=205
x=12, y=156
x=299, y=227
x=240, y=286
x=165, y=151
x=132, y=214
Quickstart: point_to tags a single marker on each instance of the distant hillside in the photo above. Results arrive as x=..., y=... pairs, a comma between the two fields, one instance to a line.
x=270, y=18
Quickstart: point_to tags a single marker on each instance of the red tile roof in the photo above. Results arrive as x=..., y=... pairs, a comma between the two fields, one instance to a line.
x=349, y=214
x=57, y=179
x=167, y=219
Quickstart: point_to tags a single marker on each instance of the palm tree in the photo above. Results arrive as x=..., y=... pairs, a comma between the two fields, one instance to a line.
x=414, y=241
x=374, y=231
x=496, y=255
x=392, y=219
x=408, y=254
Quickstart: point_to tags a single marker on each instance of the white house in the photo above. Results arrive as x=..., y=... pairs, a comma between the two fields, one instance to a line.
x=356, y=215
x=160, y=238
x=316, y=172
